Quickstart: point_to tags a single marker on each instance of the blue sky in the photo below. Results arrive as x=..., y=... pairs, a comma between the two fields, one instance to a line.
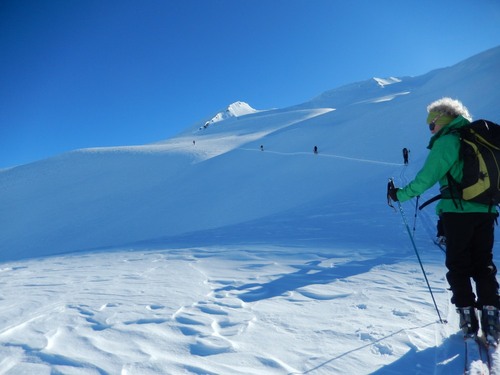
x=90, y=73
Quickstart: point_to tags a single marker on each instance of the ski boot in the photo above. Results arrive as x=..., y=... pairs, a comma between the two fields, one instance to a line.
x=468, y=321
x=490, y=323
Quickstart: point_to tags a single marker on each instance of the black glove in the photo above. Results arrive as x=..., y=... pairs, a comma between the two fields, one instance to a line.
x=393, y=193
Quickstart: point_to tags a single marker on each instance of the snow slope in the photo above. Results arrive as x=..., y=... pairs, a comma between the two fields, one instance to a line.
x=202, y=254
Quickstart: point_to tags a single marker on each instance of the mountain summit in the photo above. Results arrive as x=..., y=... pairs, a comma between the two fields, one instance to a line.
x=235, y=109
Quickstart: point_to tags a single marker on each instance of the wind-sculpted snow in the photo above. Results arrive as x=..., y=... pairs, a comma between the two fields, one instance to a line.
x=219, y=310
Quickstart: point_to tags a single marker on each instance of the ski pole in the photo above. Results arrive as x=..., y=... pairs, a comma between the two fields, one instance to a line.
x=415, y=217
x=391, y=185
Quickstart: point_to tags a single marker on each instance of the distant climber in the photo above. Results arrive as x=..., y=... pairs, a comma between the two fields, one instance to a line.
x=406, y=152
x=315, y=149
x=261, y=148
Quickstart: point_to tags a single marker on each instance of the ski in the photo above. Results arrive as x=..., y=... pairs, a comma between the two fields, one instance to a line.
x=491, y=348
x=492, y=359
x=476, y=357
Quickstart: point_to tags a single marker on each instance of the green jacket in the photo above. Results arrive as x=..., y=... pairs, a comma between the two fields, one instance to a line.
x=443, y=157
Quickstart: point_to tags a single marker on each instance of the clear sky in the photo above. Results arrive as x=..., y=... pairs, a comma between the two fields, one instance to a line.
x=90, y=73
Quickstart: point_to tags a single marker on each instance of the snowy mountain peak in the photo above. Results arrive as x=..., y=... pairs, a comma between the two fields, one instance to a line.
x=239, y=109
x=235, y=109
x=382, y=82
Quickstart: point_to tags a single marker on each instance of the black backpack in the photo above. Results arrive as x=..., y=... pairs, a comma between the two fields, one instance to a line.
x=480, y=152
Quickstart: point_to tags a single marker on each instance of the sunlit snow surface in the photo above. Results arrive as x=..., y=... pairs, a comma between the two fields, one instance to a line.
x=207, y=254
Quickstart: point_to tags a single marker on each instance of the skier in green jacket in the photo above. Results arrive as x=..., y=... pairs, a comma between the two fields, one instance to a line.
x=468, y=226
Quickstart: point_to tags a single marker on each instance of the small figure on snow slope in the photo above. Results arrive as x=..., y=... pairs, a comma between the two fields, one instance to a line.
x=406, y=153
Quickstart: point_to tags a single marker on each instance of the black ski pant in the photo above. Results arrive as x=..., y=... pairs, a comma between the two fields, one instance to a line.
x=469, y=254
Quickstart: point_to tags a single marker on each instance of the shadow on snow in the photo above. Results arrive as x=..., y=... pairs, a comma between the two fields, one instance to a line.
x=308, y=274
x=446, y=359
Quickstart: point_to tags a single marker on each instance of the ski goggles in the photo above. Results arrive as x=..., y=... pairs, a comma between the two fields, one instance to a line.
x=432, y=124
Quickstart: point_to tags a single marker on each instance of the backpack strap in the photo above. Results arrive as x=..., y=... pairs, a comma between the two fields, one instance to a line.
x=454, y=190
x=428, y=202
x=451, y=191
